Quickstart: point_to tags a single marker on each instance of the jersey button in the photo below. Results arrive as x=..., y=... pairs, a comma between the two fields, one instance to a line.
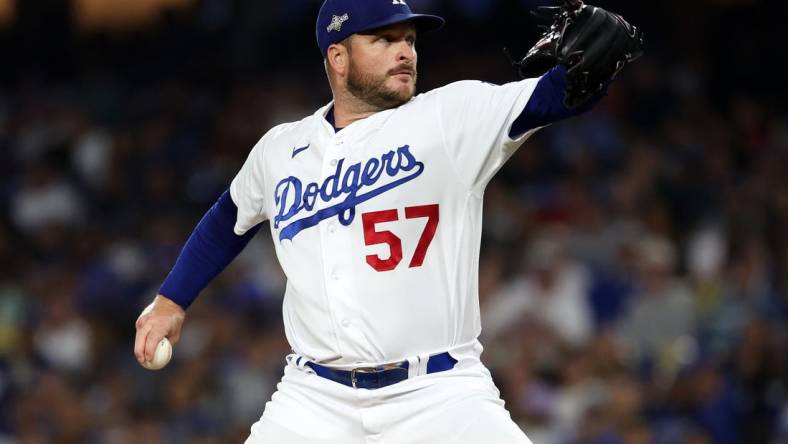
x=333, y=162
x=332, y=227
x=335, y=276
x=346, y=322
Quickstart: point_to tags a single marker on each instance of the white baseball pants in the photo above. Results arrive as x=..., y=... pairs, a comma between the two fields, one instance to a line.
x=458, y=406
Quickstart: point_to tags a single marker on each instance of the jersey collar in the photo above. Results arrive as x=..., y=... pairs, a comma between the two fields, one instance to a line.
x=374, y=121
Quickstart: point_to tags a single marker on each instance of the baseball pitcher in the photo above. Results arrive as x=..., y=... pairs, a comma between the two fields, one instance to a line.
x=375, y=209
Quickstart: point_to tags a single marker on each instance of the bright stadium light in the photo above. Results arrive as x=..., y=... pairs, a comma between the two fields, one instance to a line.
x=121, y=14
x=7, y=12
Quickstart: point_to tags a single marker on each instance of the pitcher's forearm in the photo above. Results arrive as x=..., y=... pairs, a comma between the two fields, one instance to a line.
x=211, y=247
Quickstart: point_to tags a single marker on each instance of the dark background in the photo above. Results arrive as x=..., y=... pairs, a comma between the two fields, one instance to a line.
x=634, y=263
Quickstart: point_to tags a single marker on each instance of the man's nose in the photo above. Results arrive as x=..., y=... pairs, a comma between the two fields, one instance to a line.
x=407, y=52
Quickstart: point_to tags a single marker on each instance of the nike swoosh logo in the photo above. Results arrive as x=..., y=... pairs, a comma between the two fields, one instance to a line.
x=298, y=150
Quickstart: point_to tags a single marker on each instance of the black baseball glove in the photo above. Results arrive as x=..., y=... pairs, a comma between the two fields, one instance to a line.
x=592, y=43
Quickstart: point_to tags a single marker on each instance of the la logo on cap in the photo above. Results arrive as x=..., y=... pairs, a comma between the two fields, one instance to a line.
x=336, y=23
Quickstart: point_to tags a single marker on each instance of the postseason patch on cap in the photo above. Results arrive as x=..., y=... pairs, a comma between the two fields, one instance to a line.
x=336, y=23
x=339, y=19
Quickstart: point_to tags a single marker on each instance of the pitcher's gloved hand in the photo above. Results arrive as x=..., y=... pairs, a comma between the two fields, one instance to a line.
x=594, y=45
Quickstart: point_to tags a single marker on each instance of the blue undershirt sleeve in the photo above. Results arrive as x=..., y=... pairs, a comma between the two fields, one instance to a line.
x=211, y=247
x=546, y=104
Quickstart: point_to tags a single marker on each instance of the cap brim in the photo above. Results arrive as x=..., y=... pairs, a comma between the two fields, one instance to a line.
x=424, y=22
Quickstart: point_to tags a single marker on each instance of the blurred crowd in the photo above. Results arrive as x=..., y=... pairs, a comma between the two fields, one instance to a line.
x=634, y=270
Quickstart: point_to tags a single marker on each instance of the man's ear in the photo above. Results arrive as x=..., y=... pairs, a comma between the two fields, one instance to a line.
x=338, y=58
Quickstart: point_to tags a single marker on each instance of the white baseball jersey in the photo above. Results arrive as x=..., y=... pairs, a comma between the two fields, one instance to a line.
x=378, y=226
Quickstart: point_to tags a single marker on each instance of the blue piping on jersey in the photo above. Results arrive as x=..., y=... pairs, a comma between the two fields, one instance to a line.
x=211, y=247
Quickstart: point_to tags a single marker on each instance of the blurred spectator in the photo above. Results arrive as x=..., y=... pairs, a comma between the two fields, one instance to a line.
x=45, y=199
x=660, y=318
x=552, y=291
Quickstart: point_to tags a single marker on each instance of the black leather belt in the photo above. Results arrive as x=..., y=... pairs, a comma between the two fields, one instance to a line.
x=381, y=376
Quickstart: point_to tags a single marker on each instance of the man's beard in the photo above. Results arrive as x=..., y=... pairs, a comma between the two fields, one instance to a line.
x=372, y=90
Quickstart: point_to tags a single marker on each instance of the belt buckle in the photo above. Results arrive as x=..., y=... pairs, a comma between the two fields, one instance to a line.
x=354, y=380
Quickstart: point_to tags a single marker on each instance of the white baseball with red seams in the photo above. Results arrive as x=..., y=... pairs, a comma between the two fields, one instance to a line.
x=161, y=356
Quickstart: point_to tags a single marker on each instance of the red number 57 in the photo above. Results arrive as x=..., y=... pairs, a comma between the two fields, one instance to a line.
x=373, y=237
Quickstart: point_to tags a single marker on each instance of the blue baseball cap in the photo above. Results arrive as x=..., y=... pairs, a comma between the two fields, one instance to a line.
x=338, y=19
